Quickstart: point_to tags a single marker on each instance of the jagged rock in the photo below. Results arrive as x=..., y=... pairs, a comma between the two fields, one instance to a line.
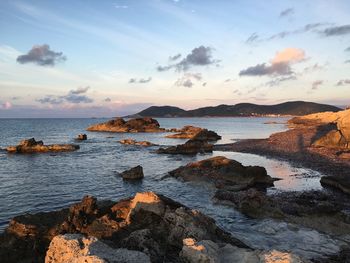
x=82, y=137
x=33, y=146
x=224, y=173
x=196, y=133
x=133, y=173
x=75, y=248
x=133, y=125
x=341, y=182
x=190, y=147
x=134, y=142
x=149, y=223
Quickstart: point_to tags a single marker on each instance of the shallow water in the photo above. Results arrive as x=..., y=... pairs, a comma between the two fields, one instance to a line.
x=44, y=182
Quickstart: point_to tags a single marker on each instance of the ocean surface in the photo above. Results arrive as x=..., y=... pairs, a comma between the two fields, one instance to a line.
x=31, y=183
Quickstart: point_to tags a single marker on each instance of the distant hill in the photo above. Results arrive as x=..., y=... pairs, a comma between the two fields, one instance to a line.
x=295, y=108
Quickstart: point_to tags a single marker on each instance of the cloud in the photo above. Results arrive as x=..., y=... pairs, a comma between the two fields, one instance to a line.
x=199, y=56
x=336, y=31
x=204, y=84
x=141, y=81
x=107, y=100
x=314, y=67
x=287, y=12
x=175, y=57
x=347, y=49
x=121, y=6
x=6, y=105
x=279, y=65
x=187, y=80
x=73, y=96
x=347, y=61
x=252, y=38
x=41, y=55
x=277, y=81
x=316, y=84
x=343, y=82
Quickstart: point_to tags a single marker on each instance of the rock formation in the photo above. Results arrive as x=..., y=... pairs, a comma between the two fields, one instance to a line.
x=33, y=146
x=133, y=125
x=134, y=142
x=82, y=137
x=196, y=133
x=133, y=173
x=224, y=173
x=191, y=147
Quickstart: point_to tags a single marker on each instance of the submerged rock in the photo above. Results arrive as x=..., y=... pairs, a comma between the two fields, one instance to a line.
x=32, y=146
x=133, y=125
x=149, y=223
x=224, y=173
x=196, y=133
x=82, y=137
x=190, y=147
x=133, y=173
x=134, y=142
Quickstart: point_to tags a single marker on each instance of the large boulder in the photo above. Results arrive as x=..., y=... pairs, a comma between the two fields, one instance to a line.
x=133, y=125
x=191, y=147
x=33, y=146
x=196, y=133
x=133, y=173
x=224, y=173
x=75, y=248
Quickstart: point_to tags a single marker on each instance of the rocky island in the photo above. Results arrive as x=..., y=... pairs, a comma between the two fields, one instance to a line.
x=33, y=146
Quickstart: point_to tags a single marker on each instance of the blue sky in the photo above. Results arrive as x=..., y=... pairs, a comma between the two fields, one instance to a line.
x=107, y=58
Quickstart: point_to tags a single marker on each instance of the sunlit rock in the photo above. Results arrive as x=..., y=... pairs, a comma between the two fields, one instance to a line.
x=33, y=146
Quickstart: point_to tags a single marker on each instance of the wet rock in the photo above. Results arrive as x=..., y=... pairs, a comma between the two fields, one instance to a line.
x=149, y=223
x=224, y=173
x=341, y=182
x=79, y=249
x=82, y=137
x=191, y=147
x=133, y=125
x=133, y=173
x=196, y=133
x=33, y=146
x=134, y=142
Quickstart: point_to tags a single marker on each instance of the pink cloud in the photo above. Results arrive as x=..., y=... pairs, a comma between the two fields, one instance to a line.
x=289, y=55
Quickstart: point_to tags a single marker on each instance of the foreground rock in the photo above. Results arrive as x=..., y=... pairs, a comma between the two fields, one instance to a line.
x=191, y=147
x=78, y=249
x=134, y=142
x=196, y=133
x=315, y=209
x=82, y=137
x=133, y=174
x=148, y=223
x=133, y=125
x=224, y=173
x=33, y=146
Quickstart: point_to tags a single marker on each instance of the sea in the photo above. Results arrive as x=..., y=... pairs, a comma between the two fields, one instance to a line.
x=31, y=183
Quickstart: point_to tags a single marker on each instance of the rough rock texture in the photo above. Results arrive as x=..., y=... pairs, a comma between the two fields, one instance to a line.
x=133, y=174
x=190, y=147
x=82, y=137
x=224, y=173
x=149, y=223
x=207, y=251
x=75, y=248
x=196, y=133
x=315, y=209
x=133, y=142
x=33, y=146
x=341, y=182
x=133, y=125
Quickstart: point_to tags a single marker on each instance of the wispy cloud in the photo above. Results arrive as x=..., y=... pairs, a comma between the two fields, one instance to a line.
x=187, y=80
x=287, y=12
x=141, y=81
x=316, y=84
x=336, y=31
x=343, y=82
x=73, y=96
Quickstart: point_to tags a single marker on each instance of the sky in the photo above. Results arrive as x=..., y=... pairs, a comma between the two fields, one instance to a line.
x=112, y=58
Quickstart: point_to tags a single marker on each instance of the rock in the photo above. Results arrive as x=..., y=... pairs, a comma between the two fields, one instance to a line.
x=224, y=173
x=82, y=137
x=133, y=125
x=133, y=173
x=190, y=147
x=341, y=182
x=75, y=248
x=33, y=146
x=149, y=223
x=133, y=142
x=196, y=133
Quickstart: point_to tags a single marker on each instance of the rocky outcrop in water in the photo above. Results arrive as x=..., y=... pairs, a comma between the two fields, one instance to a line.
x=191, y=147
x=224, y=173
x=133, y=125
x=81, y=137
x=133, y=174
x=33, y=146
x=195, y=133
x=134, y=142
x=149, y=223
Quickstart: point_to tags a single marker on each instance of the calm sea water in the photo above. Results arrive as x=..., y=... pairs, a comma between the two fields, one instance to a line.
x=43, y=182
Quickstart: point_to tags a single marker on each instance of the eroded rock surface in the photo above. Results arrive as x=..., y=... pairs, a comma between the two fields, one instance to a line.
x=196, y=133
x=191, y=147
x=224, y=173
x=133, y=125
x=134, y=142
x=133, y=173
x=33, y=146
